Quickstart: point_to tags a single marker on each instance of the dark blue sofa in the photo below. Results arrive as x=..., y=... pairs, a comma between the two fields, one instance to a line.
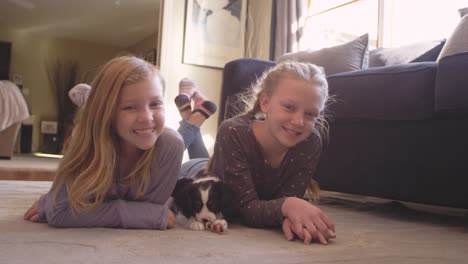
x=397, y=132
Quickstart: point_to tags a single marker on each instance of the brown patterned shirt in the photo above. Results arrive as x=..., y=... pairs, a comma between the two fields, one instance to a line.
x=238, y=159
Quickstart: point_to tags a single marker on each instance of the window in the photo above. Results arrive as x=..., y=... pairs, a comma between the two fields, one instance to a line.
x=413, y=21
x=390, y=23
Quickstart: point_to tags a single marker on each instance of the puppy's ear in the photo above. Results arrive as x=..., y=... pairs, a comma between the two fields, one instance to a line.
x=181, y=185
x=181, y=196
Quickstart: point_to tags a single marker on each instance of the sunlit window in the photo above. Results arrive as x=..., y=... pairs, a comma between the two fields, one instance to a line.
x=390, y=23
x=339, y=25
x=421, y=20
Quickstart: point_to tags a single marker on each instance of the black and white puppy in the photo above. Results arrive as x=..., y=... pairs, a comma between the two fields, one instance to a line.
x=203, y=200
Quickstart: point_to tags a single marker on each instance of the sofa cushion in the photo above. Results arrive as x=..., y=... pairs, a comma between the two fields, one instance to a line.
x=451, y=88
x=458, y=41
x=351, y=56
x=417, y=52
x=400, y=92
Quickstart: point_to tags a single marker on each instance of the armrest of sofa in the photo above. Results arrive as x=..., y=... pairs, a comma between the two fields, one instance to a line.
x=238, y=75
x=451, y=88
x=400, y=92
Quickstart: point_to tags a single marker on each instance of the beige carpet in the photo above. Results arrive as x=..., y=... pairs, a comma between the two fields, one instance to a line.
x=367, y=233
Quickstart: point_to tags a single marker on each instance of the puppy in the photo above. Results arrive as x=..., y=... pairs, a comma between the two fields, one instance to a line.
x=201, y=202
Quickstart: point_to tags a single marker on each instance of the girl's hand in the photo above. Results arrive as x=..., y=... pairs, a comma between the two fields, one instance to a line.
x=307, y=221
x=171, y=219
x=32, y=214
x=289, y=231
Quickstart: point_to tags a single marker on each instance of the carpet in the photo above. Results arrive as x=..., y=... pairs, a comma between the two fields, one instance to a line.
x=367, y=232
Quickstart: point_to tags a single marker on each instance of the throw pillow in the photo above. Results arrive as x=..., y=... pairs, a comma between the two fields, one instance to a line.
x=458, y=41
x=432, y=54
x=422, y=51
x=351, y=56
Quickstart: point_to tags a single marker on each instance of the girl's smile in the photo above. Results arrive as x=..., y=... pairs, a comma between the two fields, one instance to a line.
x=292, y=132
x=144, y=131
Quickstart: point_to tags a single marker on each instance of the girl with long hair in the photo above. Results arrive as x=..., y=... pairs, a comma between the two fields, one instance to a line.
x=121, y=163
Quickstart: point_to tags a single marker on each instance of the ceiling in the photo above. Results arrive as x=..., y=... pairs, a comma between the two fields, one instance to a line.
x=112, y=22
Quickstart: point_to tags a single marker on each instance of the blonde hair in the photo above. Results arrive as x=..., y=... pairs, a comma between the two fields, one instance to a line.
x=88, y=165
x=267, y=84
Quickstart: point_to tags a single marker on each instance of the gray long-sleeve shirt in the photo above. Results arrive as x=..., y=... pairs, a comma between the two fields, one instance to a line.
x=239, y=160
x=121, y=208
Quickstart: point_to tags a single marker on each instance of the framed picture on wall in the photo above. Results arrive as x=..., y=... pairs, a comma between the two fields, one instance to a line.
x=150, y=56
x=214, y=32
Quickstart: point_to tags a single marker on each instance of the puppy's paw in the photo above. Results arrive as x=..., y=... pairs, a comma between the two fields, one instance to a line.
x=197, y=226
x=219, y=226
x=221, y=223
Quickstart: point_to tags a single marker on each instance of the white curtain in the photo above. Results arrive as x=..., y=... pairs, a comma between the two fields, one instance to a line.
x=290, y=20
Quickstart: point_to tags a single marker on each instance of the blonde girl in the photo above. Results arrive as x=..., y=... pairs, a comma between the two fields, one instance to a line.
x=121, y=164
x=271, y=152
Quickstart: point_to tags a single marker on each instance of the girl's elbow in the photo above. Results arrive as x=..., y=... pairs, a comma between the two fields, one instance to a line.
x=54, y=221
x=56, y=218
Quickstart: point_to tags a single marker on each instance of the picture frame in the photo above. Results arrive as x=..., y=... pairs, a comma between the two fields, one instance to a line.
x=214, y=32
x=150, y=56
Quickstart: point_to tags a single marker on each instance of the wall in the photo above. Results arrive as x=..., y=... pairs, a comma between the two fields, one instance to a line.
x=209, y=79
x=5, y=34
x=29, y=55
x=145, y=45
